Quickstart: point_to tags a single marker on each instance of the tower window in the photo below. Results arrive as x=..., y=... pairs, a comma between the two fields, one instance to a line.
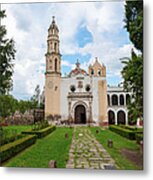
x=92, y=72
x=55, y=46
x=99, y=72
x=55, y=64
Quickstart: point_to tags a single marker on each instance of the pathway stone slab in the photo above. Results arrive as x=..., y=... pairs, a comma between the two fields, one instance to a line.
x=87, y=153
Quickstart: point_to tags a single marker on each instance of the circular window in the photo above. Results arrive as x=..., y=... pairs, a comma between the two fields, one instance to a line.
x=72, y=88
x=88, y=88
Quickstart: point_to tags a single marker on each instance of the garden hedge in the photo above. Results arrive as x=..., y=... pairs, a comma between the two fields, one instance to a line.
x=132, y=128
x=139, y=137
x=41, y=133
x=130, y=134
x=9, y=150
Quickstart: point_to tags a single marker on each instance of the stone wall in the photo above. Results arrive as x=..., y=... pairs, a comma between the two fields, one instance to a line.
x=20, y=119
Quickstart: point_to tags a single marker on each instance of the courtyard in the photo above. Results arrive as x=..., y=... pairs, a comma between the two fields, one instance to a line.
x=80, y=147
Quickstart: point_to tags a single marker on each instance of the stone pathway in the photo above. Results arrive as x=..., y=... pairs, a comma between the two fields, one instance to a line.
x=87, y=153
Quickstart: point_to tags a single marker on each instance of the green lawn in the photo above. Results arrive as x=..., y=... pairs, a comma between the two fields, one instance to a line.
x=119, y=143
x=18, y=129
x=53, y=147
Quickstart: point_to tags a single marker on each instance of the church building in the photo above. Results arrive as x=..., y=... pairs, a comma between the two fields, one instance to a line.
x=81, y=97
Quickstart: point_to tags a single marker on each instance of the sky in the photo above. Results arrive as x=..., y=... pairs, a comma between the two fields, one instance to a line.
x=86, y=30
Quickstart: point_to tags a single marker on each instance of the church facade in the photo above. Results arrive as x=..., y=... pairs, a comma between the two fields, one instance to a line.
x=81, y=97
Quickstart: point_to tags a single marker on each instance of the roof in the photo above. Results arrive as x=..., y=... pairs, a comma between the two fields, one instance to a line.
x=77, y=70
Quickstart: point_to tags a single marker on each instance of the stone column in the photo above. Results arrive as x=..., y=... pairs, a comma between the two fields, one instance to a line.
x=70, y=117
x=90, y=112
x=118, y=96
x=124, y=99
x=115, y=118
x=110, y=97
x=126, y=120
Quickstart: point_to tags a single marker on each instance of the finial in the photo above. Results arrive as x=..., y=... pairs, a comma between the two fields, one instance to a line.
x=96, y=58
x=77, y=63
x=53, y=17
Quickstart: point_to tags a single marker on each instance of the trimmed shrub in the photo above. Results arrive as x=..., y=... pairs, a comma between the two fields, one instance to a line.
x=10, y=139
x=139, y=137
x=123, y=132
x=132, y=128
x=9, y=150
x=41, y=133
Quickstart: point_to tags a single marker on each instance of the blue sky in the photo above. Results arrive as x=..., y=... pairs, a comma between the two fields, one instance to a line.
x=87, y=30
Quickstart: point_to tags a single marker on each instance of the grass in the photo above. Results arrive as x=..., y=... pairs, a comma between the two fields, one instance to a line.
x=18, y=128
x=53, y=147
x=119, y=143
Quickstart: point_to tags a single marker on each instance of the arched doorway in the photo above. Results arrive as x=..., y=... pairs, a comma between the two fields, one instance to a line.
x=121, y=117
x=111, y=117
x=80, y=114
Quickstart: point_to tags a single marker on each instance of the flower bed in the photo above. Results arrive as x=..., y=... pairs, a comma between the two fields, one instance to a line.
x=9, y=150
x=41, y=133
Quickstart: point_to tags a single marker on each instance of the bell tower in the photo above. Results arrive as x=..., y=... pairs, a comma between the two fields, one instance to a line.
x=53, y=72
x=98, y=71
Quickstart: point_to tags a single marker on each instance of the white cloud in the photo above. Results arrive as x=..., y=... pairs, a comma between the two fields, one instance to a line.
x=28, y=25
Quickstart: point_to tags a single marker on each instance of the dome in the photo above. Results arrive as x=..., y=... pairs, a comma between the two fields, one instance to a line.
x=77, y=70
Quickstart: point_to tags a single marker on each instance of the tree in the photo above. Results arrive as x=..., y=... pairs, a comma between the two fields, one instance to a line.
x=8, y=105
x=7, y=55
x=35, y=99
x=132, y=71
x=132, y=74
x=134, y=22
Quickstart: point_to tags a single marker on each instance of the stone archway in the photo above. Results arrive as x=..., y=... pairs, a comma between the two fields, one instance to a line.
x=121, y=118
x=80, y=114
x=111, y=117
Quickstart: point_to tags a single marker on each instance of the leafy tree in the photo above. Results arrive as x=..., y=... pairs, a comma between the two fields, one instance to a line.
x=8, y=105
x=134, y=22
x=133, y=82
x=35, y=99
x=24, y=105
x=132, y=71
x=7, y=55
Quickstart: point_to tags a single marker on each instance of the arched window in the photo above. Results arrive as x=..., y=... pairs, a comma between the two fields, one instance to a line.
x=114, y=100
x=121, y=100
x=55, y=64
x=55, y=46
x=111, y=117
x=92, y=72
x=128, y=99
x=108, y=99
x=99, y=72
x=121, y=117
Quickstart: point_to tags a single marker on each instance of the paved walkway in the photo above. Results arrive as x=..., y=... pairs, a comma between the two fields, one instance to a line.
x=87, y=153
